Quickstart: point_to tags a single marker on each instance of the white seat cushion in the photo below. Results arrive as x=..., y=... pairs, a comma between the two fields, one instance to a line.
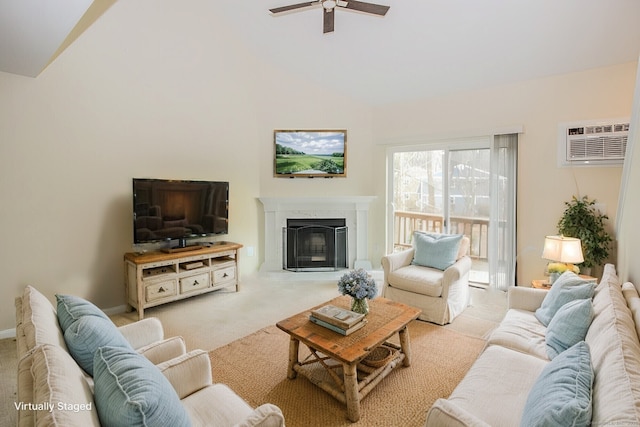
x=521, y=331
x=509, y=375
x=218, y=405
x=417, y=279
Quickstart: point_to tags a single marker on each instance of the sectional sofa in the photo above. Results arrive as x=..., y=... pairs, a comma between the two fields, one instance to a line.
x=568, y=356
x=75, y=368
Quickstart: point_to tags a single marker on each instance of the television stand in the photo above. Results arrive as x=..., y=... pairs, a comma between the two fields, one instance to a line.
x=156, y=278
x=182, y=249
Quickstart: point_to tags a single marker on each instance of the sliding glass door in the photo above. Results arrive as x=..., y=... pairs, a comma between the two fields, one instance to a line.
x=456, y=187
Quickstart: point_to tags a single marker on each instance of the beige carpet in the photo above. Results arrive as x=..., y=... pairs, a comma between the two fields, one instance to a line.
x=255, y=367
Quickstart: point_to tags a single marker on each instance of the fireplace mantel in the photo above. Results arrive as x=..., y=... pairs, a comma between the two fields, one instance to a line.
x=354, y=209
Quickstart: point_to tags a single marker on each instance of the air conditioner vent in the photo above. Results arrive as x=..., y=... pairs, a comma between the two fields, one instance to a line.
x=597, y=143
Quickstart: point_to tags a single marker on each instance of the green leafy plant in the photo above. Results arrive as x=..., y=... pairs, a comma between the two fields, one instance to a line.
x=583, y=221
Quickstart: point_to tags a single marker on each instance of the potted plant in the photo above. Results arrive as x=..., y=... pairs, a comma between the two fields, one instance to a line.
x=583, y=221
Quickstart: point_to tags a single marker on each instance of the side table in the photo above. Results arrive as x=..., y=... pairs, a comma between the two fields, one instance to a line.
x=541, y=284
x=544, y=283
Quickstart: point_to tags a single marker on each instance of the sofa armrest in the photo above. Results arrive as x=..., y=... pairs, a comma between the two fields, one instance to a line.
x=451, y=277
x=188, y=373
x=457, y=270
x=523, y=298
x=395, y=261
x=143, y=332
x=266, y=415
x=446, y=413
x=164, y=350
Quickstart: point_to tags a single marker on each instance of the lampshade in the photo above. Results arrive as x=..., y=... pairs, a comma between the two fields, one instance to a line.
x=562, y=249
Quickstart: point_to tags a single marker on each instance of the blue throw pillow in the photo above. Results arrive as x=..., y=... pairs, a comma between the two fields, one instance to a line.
x=568, y=287
x=130, y=391
x=569, y=326
x=435, y=250
x=85, y=336
x=71, y=308
x=561, y=396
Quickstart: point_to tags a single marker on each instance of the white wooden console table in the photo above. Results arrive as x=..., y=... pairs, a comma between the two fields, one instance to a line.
x=156, y=278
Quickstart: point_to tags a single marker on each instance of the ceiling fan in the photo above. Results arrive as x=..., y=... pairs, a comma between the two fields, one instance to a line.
x=329, y=6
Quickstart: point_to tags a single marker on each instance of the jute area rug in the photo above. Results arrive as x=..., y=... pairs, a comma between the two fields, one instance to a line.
x=255, y=367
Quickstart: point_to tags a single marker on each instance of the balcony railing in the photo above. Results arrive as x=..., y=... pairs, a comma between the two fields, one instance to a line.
x=476, y=229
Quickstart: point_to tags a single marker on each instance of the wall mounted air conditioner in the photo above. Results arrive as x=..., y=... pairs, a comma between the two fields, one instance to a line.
x=593, y=143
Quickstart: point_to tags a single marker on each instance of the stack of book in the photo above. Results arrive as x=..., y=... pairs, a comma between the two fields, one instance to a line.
x=338, y=319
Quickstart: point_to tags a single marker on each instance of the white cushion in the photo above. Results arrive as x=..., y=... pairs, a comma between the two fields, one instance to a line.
x=143, y=332
x=417, y=279
x=507, y=376
x=39, y=320
x=58, y=380
x=615, y=352
x=229, y=409
x=633, y=302
x=521, y=331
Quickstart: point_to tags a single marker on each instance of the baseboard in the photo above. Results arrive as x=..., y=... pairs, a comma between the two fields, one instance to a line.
x=8, y=333
x=115, y=310
x=313, y=275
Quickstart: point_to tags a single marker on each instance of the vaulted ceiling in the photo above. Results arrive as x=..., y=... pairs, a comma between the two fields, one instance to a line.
x=421, y=48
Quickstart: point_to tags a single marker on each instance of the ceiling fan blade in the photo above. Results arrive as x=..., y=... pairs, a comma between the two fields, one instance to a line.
x=294, y=7
x=329, y=19
x=359, y=6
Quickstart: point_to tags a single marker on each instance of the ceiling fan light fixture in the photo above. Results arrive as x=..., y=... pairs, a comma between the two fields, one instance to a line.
x=329, y=4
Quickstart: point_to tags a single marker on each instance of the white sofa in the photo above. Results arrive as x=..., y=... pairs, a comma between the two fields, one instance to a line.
x=496, y=389
x=53, y=390
x=440, y=294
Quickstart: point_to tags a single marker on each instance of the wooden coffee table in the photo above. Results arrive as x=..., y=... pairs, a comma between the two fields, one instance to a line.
x=338, y=364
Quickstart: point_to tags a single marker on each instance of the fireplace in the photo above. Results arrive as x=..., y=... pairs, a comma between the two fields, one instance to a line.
x=315, y=244
x=354, y=209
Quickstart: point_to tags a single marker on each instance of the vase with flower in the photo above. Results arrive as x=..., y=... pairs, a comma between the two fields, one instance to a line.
x=555, y=270
x=360, y=286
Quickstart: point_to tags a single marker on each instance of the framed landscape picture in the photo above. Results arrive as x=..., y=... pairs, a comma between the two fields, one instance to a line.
x=310, y=153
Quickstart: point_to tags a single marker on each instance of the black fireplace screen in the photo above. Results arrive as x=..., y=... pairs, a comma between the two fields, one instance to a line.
x=315, y=244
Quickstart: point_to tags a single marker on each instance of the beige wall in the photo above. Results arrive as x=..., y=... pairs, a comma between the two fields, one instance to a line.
x=144, y=94
x=538, y=106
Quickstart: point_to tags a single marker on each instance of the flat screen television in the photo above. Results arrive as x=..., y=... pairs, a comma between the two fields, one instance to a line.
x=166, y=210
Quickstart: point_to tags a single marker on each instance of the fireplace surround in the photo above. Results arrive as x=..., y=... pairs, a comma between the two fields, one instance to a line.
x=354, y=210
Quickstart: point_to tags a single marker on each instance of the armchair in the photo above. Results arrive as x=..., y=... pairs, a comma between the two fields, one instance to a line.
x=214, y=404
x=441, y=293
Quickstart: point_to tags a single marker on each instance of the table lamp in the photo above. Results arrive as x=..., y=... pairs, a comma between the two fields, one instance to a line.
x=562, y=250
